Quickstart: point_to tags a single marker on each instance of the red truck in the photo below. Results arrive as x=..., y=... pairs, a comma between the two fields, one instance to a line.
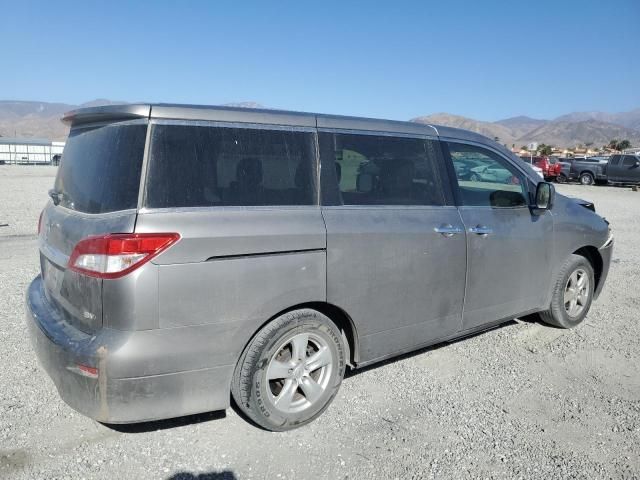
x=550, y=168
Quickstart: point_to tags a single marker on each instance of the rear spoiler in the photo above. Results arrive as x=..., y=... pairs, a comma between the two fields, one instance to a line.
x=106, y=113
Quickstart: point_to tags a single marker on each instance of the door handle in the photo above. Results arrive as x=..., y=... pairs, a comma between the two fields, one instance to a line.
x=448, y=230
x=481, y=230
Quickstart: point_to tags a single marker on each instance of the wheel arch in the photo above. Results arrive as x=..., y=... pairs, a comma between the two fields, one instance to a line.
x=337, y=315
x=592, y=254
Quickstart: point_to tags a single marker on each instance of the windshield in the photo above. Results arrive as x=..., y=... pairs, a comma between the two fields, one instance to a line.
x=100, y=168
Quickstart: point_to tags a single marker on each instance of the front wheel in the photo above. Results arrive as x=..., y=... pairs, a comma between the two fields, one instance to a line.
x=291, y=371
x=572, y=294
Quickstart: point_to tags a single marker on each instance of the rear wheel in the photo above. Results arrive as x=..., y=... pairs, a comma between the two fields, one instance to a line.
x=291, y=371
x=586, y=178
x=562, y=178
x=572, y=294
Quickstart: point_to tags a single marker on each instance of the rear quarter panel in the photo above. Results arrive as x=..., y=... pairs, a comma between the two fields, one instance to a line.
x=235, y=268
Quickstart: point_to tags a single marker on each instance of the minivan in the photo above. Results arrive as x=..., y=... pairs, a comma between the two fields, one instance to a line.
x=192, y=255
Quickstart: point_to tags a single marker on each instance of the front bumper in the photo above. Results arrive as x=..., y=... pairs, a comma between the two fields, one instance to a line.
x=606, y=251
x=141, y=374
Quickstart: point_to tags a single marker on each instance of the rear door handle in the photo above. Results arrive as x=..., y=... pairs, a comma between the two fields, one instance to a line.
x=448, y=230
x=481, y=230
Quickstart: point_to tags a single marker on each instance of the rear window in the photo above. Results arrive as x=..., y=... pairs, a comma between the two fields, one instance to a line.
x=100, y=168
x=203, y=166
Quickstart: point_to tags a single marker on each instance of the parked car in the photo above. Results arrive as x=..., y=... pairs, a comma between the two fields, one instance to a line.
x=550, y=170
x=624, y=169
x=534, y=167
x=491, y=173
x=565, y=169
x=464, y=168
x=189, y=254
x=588, y=170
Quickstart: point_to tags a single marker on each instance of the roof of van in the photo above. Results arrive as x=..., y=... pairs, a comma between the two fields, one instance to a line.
x=122, y=112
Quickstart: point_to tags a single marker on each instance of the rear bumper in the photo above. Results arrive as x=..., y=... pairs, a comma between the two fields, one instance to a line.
x=141, y=375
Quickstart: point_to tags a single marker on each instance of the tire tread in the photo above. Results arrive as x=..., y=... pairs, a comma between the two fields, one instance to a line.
x=556, y=315
x=247, y=363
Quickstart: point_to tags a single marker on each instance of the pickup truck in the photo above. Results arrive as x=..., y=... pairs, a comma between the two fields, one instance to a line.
x=624, y=168
x=617, y=169
x=588, y=170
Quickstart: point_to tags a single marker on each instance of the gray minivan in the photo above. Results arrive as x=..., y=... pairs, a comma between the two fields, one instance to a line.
x=190, y=255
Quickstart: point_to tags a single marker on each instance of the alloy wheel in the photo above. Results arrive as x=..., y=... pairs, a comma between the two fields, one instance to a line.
x=576, y=293
x=298, y=374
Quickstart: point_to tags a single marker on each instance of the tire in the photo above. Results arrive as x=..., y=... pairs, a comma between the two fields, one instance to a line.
x=474, y=177
x=297, y=393
x=586, y=178
x=561, y=178
x=560, y=313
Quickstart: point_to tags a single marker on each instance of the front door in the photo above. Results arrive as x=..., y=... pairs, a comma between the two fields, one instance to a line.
x=509, y=249
x=614, y=168
x=396, y=253
x=629, y=170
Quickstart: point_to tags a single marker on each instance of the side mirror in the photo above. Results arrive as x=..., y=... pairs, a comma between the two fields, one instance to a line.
x=545, y=195
x=637, y=164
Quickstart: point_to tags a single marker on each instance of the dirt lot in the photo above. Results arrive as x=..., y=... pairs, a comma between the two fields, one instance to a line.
x=524, y=400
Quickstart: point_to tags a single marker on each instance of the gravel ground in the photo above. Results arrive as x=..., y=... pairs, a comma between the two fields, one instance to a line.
x=521, y=401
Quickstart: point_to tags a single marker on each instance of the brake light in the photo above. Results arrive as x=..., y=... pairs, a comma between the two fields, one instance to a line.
x=117, y=254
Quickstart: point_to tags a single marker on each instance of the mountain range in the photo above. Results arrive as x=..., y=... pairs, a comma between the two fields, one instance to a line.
x=570, y=130
x=42, y=119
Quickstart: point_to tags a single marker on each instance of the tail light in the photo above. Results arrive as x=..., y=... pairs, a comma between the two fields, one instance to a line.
x=117, y=254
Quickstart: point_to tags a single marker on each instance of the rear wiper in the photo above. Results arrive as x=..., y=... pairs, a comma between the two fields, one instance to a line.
x=55, y=196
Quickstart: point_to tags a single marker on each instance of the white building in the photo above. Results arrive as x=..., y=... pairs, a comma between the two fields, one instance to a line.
x=29, y=150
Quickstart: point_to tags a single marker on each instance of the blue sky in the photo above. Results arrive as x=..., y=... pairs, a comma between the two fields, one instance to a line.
x=400, y=59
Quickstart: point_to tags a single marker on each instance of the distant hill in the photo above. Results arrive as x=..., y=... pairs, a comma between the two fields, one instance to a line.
x=489, y=129
x=579, y=128
x=521, y=125
x=42, y=119
x=630, y=119
x=33, y=119
x=570, y=134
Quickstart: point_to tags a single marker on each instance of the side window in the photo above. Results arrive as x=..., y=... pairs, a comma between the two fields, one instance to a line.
x=383, y=170
x=196, y=166
x=629, y=161
x=615, y=160
x=485, y=178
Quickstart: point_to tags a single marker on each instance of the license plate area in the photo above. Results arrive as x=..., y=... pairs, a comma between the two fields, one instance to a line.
x=53, y=277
